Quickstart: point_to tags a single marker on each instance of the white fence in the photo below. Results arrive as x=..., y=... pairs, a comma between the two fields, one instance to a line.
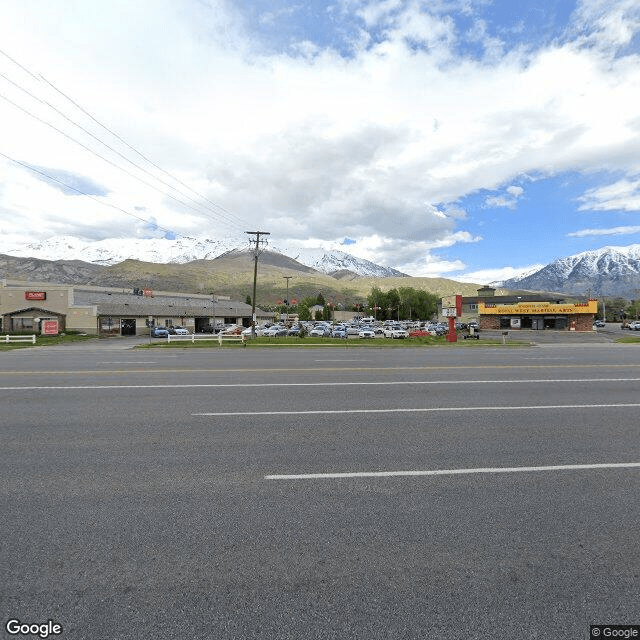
x=220, y=338
x=31, y=339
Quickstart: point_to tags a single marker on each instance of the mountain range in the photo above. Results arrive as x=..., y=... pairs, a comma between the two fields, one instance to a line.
x=186, y=249
x=609, y=271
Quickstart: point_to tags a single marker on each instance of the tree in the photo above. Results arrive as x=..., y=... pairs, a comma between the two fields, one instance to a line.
x=248, y=300
x=403, y=303
x=304, y=313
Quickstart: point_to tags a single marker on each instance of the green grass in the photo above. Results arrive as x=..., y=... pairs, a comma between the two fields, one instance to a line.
x=44, y=341
x=293, y=341
x=629, y=339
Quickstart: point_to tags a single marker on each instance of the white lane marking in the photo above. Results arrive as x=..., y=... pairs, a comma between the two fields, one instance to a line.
x=416, y=410
x=451, y=472
x=317, y=384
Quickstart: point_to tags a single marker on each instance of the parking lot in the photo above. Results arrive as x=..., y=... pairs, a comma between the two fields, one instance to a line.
x=298, y=493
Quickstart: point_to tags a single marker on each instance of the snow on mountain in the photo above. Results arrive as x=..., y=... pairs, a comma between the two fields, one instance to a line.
x=611, y=271
x=186, y=249
x=335, y=260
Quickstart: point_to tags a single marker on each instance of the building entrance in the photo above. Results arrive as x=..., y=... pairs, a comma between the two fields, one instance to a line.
x=128, y=327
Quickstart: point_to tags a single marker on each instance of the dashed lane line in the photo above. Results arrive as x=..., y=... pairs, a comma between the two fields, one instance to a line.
x=451, y=472
x=324, y=412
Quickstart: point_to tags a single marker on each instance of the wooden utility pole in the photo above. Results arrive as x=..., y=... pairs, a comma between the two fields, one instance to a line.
x=286, y=309
x=256, y=252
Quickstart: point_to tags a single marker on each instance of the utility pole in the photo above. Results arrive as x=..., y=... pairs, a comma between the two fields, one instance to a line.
x=286, y=310
x=256, y=252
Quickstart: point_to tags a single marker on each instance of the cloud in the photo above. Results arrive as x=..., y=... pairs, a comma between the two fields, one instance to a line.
x=623, y=195
x=497, y=275
x=509, y=201
x=69, y=183
x=613, y=231
x=311, y=143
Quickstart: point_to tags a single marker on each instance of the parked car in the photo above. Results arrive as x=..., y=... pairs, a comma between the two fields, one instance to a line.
x=159, y=332
x=294, y=331
x=599, y=323
x=339, y=332
x=320, y=331
x=181, y=331
x=366, y=333
x=396, y=332
x=634, y=326
x=209, y=328
x=275, y=331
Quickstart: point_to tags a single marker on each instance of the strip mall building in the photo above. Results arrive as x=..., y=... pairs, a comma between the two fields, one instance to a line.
x=527, y=311
x=34, y=307
x=561, y=316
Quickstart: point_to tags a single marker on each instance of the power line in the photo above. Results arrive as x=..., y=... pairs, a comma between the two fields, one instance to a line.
x=221, y=214
x=95, y=153
x=79, y=191
x=63, y=115
x=113, y=133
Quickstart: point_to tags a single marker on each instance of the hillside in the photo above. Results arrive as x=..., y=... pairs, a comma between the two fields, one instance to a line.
x=230, y=274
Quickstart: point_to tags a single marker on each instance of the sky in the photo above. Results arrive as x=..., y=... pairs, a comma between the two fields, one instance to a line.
x=467, y=139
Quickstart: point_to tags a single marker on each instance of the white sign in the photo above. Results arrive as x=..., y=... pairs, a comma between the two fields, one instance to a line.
x=450, y=312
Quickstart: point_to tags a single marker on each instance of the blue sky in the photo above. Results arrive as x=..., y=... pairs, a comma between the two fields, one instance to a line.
x=467, y=139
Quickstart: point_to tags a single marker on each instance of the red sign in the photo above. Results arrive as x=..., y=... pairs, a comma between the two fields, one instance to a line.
x=35, y=295
x=148, y=293
x=50, y=327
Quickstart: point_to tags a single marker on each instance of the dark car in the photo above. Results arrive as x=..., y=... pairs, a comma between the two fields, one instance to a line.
x=209, y=328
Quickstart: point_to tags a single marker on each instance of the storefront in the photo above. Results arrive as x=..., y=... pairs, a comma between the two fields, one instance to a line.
x=538, y=316
x=27, y=307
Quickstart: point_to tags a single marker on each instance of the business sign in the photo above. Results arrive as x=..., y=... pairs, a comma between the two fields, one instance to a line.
x=538, y=308
x=452, y=306
x=35, y=295
x=50, y=327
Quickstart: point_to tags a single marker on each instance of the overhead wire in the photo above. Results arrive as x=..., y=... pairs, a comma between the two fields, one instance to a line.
x=63, y=115
x=220, y=213
x=95, y=153
x=83, y=193
x=113, y=133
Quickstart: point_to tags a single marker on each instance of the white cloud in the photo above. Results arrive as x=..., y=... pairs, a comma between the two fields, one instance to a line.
x=482, y=276
x=313, y=145
x=613, y=231
x=623, y=195
x=508, y=201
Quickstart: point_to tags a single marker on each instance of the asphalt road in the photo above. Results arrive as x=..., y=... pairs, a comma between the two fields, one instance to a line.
x=321, y=493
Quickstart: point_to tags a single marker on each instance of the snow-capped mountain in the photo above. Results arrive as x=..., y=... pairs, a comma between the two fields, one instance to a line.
x=185, y=249
x=610, y=271
x=332, y=261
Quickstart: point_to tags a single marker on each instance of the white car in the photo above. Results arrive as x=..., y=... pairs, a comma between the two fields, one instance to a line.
x=320, y=331
x=366, y=333
x=396, y=332
x=181, y=331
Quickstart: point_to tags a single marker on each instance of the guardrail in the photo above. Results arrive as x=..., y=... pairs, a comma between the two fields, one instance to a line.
x=31, y=339
x=220, y=338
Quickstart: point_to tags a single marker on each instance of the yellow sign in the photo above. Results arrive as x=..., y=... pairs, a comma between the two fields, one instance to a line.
x=537, y=308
